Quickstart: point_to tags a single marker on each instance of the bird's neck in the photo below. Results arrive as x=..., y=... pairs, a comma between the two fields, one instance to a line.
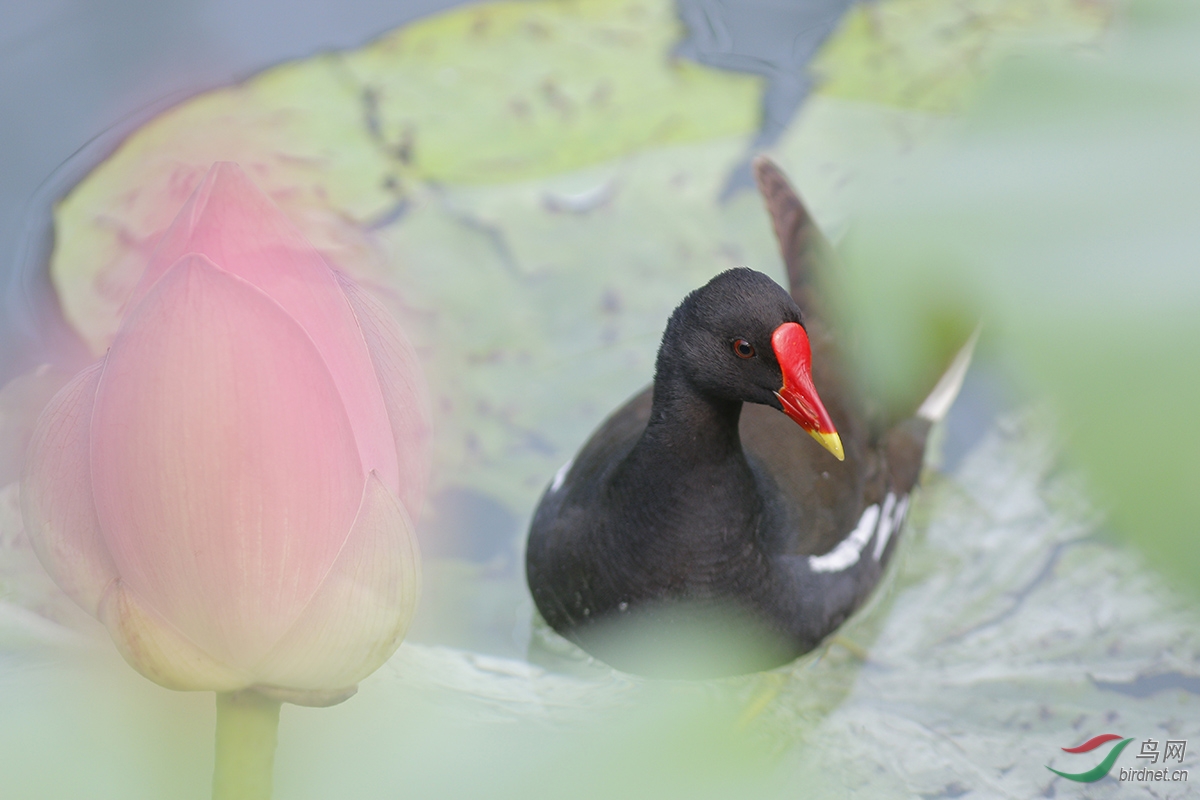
x=686, y=487
x=686, y=425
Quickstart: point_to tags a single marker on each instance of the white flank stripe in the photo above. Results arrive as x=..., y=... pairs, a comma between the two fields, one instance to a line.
x=848, y=550
x=901, y=510
x=561, y=476
x=886, y=525
x=887, y=528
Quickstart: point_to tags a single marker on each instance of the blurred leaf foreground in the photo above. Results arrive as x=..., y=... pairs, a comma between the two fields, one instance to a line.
x=532, y=187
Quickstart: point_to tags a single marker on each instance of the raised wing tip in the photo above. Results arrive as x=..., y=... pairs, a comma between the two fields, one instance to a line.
x=766, y=172
x=938, y=403
x=800, y=241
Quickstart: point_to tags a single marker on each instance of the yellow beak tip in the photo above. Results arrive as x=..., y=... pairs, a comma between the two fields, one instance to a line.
x=831, y=442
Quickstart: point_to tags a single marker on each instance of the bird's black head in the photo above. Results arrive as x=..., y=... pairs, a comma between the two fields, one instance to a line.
x=740, y=338
x=719, y=338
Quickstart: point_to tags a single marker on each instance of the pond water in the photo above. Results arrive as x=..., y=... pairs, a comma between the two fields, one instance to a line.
x=533, y=242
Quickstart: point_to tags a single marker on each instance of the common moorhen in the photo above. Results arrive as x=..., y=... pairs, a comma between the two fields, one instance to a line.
x=696, y=536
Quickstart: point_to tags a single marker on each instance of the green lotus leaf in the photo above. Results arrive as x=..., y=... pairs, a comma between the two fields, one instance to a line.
x=931, y=55
x=497, y=92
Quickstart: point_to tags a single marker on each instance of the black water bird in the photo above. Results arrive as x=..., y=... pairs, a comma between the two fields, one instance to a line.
x=702, y=532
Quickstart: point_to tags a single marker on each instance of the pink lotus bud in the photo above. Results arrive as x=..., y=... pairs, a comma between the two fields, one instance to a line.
x=232, y=489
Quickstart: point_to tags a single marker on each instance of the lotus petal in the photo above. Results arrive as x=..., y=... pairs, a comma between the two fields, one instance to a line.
x=159, y=650
x=56, y=495
x=358, y=617
x=224, y=468
x=404, y=393
x=237, y=226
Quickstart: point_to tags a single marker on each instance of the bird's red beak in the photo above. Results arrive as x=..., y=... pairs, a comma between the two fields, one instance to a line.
x=798, y=395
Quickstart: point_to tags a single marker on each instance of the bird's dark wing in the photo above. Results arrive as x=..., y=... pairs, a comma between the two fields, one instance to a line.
x=803, y=247
x=825, y=497
x=560, y=545
x=880, y=461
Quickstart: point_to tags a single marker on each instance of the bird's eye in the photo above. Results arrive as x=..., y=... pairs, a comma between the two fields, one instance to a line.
x=743, y=348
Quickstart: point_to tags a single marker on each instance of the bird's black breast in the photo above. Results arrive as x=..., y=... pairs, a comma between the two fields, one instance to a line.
x=586, y=567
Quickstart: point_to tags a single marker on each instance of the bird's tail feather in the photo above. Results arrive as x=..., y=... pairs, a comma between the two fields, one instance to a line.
x=937, y=404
